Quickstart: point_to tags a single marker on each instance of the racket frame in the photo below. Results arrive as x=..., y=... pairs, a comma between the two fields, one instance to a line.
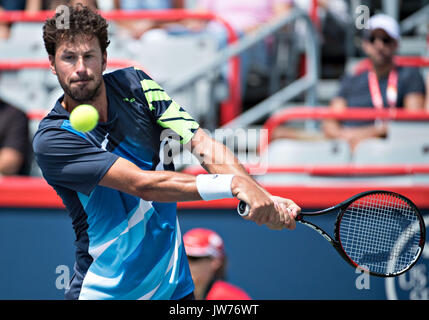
x=333, y=241
x=244, y=209
x=336, y=242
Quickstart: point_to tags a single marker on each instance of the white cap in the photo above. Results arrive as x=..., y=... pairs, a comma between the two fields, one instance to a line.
x=386, y=23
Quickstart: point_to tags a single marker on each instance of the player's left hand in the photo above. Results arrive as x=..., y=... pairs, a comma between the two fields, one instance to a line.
x=288, y=211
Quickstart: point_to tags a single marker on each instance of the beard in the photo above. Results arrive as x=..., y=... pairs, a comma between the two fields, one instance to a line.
x=82, y=93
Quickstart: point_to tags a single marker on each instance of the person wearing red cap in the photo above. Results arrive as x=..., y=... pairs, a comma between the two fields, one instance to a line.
x=207, y=261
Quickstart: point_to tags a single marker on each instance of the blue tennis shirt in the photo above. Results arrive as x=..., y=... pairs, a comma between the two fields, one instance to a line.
x=126, y=247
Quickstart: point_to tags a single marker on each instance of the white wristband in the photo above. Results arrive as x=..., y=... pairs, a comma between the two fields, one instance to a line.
x=214, y=186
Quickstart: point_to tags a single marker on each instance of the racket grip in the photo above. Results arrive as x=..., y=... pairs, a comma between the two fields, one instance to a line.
x=243, y=208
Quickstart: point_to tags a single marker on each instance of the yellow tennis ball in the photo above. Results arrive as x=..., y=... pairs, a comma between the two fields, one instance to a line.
x=84, y=118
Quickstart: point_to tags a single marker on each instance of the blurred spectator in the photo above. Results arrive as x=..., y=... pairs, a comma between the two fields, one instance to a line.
x=9, y=5
x=333, y=20
x=36, y=5
x=207, y=261
x=15, y=150
x=53, y=4
x=87, y=3
x=338, y=9
x=427, y=94
x=385, y=85
x=136, y=28
x=245, y=16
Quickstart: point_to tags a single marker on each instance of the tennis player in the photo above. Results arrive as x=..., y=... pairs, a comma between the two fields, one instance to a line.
x=120, y=194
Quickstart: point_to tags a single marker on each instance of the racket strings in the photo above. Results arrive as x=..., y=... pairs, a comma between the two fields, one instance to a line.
x=380, y=232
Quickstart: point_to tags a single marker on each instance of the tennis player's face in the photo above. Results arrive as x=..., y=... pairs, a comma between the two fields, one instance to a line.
x=79, y=66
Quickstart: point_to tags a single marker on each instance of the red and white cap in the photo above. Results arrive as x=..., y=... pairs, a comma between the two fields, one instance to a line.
x=201, y=242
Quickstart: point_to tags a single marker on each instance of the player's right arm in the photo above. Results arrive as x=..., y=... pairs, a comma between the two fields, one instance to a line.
x=69, y=161
x=169, y=186
x=160, y=186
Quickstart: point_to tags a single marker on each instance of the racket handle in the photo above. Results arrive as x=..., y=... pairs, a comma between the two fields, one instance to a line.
x=243, y=208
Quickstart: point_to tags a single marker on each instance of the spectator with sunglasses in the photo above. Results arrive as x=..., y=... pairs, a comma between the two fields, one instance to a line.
x=207, y=262
x=384, y=85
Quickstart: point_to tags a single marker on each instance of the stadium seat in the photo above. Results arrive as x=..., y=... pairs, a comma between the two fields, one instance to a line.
x=31, y=98
x=411, y=131
x=168, y=57
x=296, y=152
x=25, y=41
x=377, y=151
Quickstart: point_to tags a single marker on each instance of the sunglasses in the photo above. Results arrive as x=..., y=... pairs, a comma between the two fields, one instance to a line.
x=385, y=40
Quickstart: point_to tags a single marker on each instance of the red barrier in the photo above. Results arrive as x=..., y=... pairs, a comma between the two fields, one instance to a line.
x=349, y=170
x=33, y=192
x=314, y=14
x=320, y=113
x=230, y=109
x=44, y=64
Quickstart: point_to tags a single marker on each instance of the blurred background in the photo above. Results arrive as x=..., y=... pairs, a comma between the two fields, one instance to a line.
x=270, y=79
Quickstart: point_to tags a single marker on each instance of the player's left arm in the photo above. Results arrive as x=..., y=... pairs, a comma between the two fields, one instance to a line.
x=215, y=157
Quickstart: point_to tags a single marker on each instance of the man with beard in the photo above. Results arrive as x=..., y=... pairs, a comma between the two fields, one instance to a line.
x=120, y=193
x=385, y=85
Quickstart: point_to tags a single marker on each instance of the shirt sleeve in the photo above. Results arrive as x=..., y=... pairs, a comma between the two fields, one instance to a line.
x=413, y=82
x=344, y=90
x=168, y=113
x=70, y=161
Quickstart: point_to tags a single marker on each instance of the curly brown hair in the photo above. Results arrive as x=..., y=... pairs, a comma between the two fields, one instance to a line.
x=82, y=22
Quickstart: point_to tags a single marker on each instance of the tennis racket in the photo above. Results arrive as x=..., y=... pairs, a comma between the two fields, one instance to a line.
x=380, y=232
